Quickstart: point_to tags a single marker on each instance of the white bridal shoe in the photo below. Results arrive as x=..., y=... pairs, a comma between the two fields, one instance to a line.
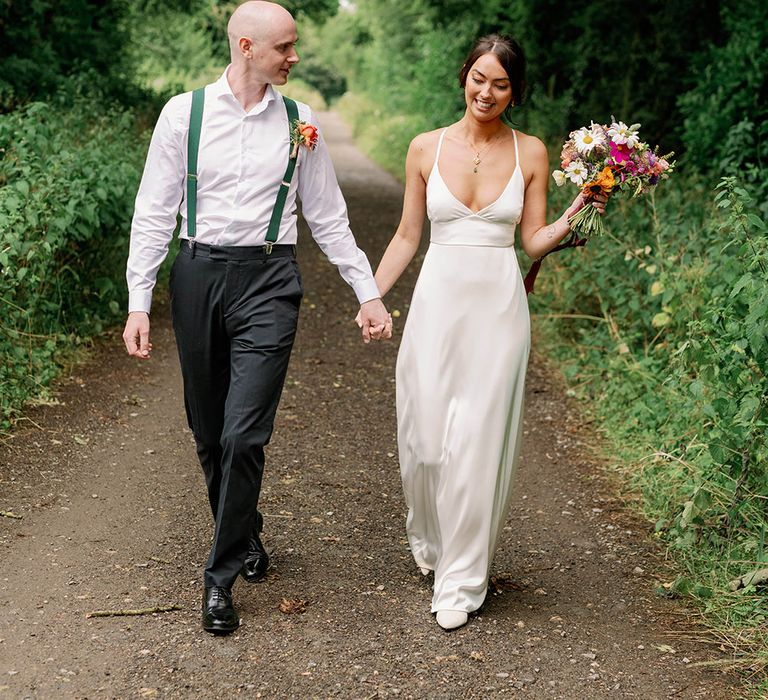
x=451, y=619
x=424, y=570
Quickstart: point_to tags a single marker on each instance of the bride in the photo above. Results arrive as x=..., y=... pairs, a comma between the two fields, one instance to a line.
x=463, y=357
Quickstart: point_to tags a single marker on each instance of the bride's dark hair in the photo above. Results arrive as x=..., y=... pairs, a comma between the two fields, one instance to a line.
x=511, y=57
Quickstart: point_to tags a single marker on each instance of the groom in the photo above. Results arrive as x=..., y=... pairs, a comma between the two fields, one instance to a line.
x=235, y=285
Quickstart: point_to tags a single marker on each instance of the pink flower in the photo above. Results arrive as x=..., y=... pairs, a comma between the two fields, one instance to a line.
x=620, y=152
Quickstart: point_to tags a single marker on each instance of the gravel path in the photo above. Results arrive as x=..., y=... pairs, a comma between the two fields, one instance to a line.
x=115, y=517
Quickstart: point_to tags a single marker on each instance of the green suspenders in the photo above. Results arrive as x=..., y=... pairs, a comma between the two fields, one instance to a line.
x=193, y=146
x=282, y=193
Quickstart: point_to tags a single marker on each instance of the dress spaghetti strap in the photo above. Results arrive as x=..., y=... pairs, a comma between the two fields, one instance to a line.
x=517, y=154
x=439, y=146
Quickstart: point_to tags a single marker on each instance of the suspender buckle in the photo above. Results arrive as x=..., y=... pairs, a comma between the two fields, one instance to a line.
x=268, y=248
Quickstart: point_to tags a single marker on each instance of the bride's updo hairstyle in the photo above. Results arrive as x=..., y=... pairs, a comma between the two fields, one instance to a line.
x=511, y=57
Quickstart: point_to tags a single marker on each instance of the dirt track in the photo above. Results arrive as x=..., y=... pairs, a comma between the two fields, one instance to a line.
x=115, y=517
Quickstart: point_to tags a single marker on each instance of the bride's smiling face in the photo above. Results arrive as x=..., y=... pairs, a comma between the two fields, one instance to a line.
x=488, y=90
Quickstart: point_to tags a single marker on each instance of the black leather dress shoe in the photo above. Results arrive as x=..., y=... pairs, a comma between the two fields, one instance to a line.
x=219, y=614
x=257, y=560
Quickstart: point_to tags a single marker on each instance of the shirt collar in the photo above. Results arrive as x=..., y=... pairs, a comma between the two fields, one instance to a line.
x=221, y=88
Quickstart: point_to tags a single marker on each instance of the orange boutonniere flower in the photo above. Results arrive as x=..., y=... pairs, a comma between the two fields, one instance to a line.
x=603, y=183
x=303, y=134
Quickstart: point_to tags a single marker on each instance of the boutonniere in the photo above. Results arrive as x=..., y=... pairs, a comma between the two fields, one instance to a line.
x=302, y=134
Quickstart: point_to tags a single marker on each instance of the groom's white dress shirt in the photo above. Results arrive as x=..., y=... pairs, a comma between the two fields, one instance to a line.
x=242, y=160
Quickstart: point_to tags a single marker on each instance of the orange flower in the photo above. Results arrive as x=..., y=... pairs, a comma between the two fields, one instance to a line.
x=303, y=134
x=308, y=133
x=603, y=184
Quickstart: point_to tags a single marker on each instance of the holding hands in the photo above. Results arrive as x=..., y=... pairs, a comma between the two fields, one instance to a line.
x=374, y=321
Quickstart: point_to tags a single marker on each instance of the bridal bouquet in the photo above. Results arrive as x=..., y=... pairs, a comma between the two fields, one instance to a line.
x=600, y=159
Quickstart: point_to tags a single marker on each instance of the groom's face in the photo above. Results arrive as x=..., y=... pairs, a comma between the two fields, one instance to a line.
x=275, y=54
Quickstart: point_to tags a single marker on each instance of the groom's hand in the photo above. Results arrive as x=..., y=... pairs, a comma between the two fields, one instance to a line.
x=136, y=335
x=374, y=321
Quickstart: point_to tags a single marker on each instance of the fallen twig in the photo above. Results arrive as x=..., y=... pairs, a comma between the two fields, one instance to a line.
x=8, y=514
x=140, y=611
x=162, y=561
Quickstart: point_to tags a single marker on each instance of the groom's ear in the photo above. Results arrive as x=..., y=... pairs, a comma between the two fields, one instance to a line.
x=246, y=46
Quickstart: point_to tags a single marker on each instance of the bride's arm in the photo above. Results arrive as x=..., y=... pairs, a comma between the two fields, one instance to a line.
x=537, y=237
x=405, y=242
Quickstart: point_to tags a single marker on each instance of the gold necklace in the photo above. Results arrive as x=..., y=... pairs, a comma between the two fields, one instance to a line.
x=478, y=153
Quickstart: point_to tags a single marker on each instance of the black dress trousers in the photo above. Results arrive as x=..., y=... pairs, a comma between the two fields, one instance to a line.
x=235, y=312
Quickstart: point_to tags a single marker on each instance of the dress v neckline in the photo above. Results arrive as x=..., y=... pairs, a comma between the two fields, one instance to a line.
x=458, y=201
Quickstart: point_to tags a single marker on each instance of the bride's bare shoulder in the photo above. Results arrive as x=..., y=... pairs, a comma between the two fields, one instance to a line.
x=426, y=142
x=423, y=149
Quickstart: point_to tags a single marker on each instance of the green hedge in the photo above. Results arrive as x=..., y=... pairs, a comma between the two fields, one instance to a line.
x=68, y=178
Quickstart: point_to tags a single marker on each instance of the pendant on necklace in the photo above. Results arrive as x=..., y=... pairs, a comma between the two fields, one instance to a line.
x=476, y=161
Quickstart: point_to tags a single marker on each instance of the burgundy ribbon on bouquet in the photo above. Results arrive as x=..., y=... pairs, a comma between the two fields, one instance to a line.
x=573, y=241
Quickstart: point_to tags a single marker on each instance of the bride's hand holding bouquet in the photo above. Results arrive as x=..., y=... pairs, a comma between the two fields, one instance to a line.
x=601, y=159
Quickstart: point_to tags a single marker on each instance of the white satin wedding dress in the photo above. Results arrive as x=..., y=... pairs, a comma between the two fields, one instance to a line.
x=460, y=380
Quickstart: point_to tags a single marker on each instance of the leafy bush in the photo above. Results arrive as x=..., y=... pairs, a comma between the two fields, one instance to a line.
x=68, y=179
x=725, y=114
x=42, y=41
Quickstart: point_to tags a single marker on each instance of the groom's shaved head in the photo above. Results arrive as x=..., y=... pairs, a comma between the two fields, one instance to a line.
x=259, y=21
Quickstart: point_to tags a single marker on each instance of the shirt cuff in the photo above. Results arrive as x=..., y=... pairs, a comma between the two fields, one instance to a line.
x=140, y=300
x=366, y=290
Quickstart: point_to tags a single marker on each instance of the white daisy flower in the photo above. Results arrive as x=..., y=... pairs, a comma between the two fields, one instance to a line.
x=585, y=140
x=597, y=133
x=620, y=133
x=577, y=173
x=559, y=177
x=633, y=138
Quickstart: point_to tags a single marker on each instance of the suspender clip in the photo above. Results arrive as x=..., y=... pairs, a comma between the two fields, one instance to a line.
x=192, y=247
x=268, y=248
